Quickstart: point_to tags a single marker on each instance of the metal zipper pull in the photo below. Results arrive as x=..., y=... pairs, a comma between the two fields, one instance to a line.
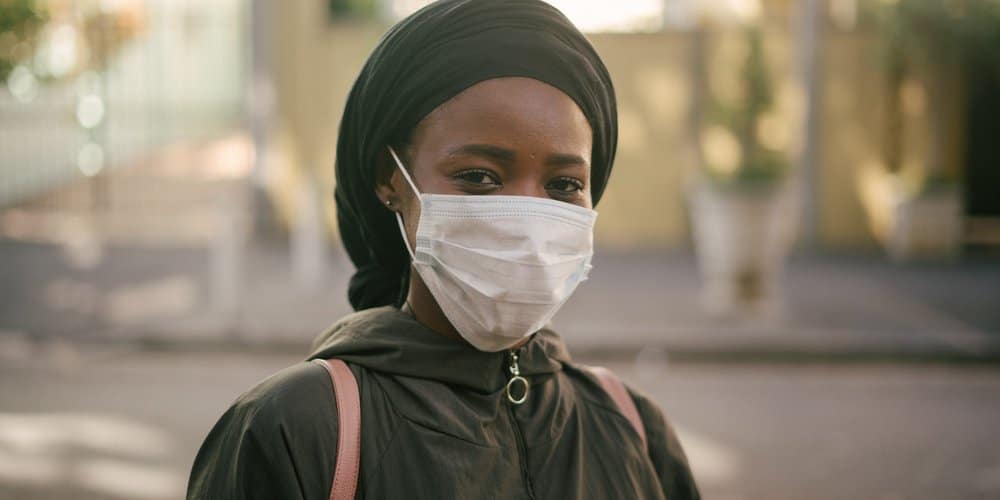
x=515, y=380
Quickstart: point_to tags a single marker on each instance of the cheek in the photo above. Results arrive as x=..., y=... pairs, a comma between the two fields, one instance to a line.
x=413, y=219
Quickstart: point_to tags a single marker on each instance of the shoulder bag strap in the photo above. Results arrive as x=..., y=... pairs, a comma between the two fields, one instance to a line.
x=345, y=391
x=616, y=389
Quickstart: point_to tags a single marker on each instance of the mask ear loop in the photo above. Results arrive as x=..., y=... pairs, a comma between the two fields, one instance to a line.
x=402, y=169
x=399, y=218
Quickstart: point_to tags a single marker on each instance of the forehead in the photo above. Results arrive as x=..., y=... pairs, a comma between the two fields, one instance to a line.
x=523, y=114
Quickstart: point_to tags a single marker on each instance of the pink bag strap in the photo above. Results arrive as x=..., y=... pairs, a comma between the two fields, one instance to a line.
x=616, y=389
x=345, y=391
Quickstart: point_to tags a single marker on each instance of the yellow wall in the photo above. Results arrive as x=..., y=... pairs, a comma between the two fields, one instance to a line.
x=644, y=203
x=314, y=64
x=316, y=61
x=851, y=128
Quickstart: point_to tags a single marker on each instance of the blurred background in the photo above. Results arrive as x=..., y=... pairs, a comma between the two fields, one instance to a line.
x=798, y=255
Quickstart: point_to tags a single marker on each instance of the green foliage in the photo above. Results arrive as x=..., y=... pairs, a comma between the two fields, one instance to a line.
x=742, y=118
x=758, y=93
x=765, y=167
x=19, y=21
x=940, y=32
x=934, y=37
x=351, y=8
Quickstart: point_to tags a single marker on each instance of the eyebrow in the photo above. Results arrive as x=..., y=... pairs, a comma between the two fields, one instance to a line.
x=565, y=159
x=501, y=155
x=507, y=156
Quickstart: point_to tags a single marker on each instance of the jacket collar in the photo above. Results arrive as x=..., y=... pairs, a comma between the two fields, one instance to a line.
x=386, y=339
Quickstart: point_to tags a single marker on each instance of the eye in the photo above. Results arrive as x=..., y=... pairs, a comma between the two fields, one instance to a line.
x=478, y=178
x=565, y=185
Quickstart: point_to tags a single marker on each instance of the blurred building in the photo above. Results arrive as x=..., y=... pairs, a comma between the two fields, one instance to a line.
x=106, y=86
x=835, y=110
x=107, y=83
x=176, y=133
x=166, y=179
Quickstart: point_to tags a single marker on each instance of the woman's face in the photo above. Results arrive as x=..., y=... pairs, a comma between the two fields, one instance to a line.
x=506, y=136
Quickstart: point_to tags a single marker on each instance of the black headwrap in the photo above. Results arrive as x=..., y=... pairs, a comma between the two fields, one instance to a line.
x=425, y=60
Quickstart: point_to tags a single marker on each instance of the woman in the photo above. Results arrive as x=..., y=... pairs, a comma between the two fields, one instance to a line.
x=473, y=147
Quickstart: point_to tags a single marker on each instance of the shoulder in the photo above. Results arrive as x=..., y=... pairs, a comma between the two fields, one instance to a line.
x=591, y=388
x=663, y=445
x=296, y=400
x=598, y=387
x=290, y=395
x=274, y=439
x=650, y=411
x=665, y=449
x=356, y=323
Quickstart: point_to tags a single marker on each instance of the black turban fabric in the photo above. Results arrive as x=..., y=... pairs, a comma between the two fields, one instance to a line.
x=425, y=60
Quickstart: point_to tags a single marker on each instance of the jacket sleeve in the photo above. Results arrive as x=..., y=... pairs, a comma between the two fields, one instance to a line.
x=273, y=442
x=665, y=451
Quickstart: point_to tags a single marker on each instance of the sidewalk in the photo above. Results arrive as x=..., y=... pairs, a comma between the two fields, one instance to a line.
x=838, y=306
x=647, y=305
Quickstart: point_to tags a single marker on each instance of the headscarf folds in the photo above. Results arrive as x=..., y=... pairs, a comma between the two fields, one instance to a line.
x=425, y=60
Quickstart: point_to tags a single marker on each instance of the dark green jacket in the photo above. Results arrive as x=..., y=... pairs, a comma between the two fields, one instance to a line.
x=436, y=424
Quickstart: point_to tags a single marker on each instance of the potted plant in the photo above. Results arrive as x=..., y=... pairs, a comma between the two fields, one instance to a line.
x=741, y=205
x=927, y=48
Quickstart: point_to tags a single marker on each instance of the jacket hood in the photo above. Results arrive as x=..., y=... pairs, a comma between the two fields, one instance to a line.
x=389, y=340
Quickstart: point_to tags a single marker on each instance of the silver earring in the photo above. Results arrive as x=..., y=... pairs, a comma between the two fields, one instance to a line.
x=388, y=203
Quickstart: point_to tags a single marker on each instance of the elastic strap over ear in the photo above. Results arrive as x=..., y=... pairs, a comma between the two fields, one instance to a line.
x=406, y=175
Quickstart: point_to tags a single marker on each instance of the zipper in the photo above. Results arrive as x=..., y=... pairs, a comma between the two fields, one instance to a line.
x=516, y=382
x=522, y=454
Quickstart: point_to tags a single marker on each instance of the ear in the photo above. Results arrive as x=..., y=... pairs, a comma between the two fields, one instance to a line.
x=385, y=171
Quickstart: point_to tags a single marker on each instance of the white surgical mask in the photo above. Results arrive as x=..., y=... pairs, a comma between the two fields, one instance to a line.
x=499, y=266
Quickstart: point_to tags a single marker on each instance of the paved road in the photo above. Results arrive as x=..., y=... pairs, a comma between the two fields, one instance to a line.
x=120, y=424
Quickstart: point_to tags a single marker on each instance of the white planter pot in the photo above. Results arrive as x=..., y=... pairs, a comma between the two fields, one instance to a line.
x=742, y=235
x=927, y=225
